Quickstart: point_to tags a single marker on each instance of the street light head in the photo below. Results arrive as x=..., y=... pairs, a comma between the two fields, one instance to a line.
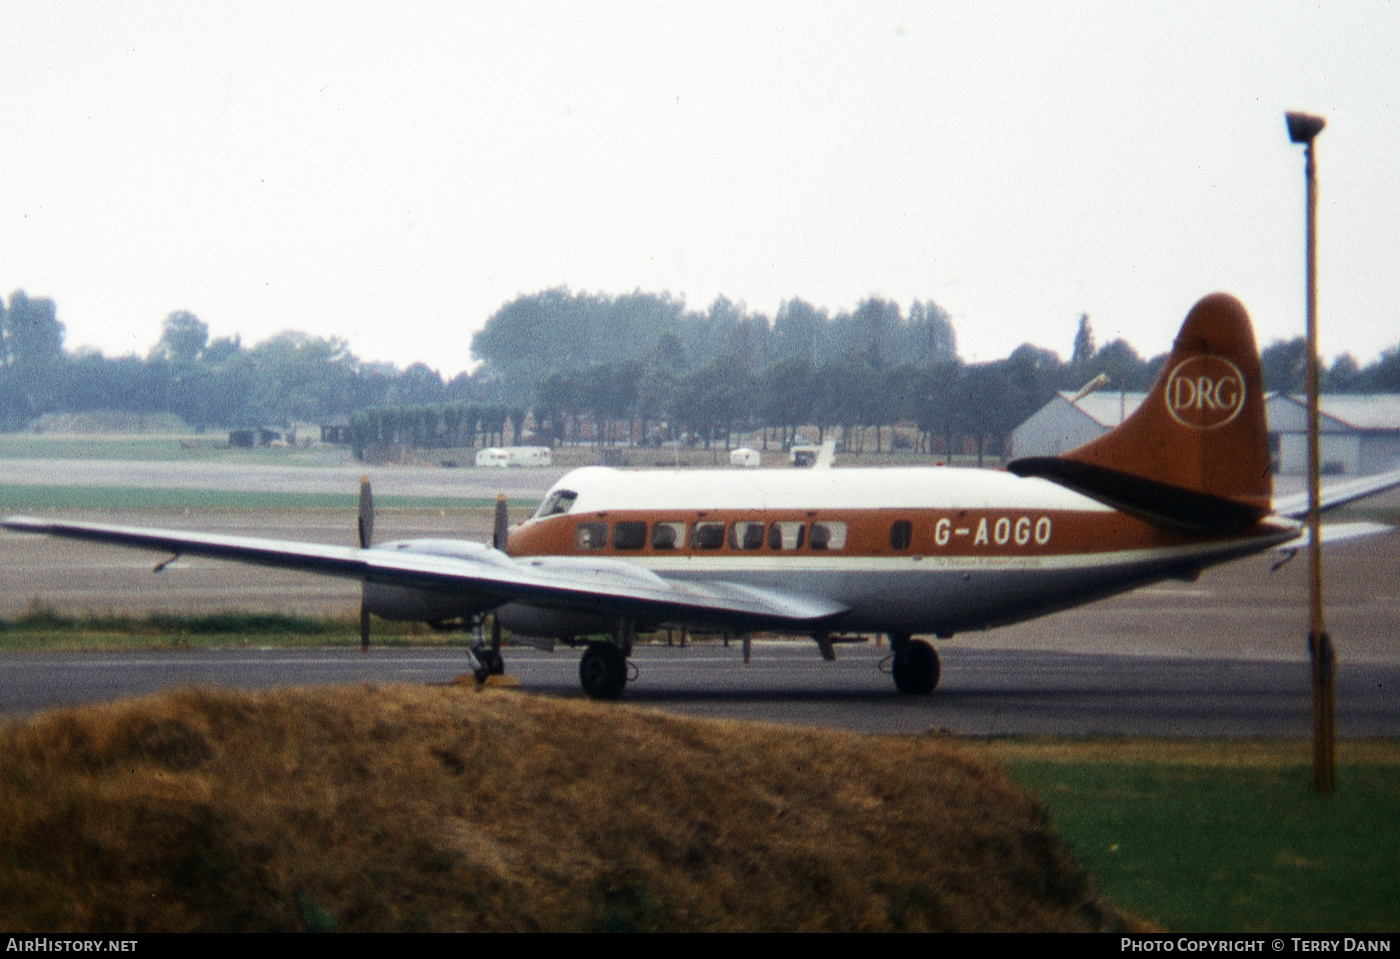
x=1302, y=127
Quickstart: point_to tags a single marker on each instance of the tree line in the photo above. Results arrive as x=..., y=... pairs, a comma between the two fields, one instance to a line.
x=206, y=382
x=639, y=368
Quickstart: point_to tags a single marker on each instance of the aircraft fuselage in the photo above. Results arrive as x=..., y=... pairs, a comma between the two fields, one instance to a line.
x=908, y=550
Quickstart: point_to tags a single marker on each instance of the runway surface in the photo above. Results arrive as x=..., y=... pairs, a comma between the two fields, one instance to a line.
x=1223, y=655
x=984, y=692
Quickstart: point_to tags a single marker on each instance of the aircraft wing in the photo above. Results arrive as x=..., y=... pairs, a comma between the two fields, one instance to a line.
x=1333, y=495
x=480, y=572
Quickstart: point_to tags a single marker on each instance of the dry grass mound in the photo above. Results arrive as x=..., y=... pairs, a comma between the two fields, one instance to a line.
x=402, y=808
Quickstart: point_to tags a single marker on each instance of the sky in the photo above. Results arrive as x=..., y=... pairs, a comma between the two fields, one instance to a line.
x=393, y=173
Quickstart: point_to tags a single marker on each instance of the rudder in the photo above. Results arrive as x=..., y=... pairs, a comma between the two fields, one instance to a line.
x=1196, y=452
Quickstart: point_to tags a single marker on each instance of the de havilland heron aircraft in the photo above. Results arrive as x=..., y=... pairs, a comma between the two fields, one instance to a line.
x=1182, y=484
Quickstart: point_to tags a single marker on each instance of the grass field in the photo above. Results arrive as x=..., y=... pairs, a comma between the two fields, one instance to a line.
x=16, y=498
x=1222, y=836
x=157, y=448
x=42, y=628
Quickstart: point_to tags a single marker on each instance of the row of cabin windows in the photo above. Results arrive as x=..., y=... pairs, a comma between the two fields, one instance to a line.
x=742, y=535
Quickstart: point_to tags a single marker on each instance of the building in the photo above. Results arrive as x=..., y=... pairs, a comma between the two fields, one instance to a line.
x=1360, y=433
x=1065, y=423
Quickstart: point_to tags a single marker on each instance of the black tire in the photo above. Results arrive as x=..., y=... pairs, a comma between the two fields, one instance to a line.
x=488, y=664
x=916, y=669
x=602, y=671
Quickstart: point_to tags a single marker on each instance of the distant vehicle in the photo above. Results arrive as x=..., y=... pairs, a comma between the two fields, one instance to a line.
x=914, y=552
x=504, y=456
x=746, y=457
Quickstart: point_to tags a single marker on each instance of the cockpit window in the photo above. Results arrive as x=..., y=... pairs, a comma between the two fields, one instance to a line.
x=560, y=501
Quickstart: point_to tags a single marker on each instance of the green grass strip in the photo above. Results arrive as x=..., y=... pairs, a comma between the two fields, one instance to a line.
x=41, y=628
x=1205, y=848
x=16, y=498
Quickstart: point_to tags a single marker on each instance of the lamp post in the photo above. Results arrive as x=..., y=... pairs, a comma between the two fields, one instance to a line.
x=1303, y=129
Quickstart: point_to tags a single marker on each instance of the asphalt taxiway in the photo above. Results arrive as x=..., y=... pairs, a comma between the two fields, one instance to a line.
x=985, y=692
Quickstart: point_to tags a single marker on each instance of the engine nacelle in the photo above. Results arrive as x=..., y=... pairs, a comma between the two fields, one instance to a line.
x=525, y=620
x=420, y=606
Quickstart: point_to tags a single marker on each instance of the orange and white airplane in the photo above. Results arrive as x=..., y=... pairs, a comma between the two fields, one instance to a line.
x=1182, y=484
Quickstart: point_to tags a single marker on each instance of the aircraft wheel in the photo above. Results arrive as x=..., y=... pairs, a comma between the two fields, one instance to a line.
x=603, y=671
x=916, y=668
x=489, y=663
x=493, y=663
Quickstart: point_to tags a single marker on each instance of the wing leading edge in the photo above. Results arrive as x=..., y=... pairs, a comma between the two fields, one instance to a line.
x=481, y=573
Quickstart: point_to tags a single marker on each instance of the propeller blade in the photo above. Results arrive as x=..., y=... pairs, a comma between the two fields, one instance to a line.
x=502, y=530
x=364, y=627
x=366, y=514
x=366, y=530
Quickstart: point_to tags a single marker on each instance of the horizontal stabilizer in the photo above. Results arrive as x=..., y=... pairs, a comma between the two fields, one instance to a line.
x=1338, y=533
x=1184, y=509
x=1337, y=494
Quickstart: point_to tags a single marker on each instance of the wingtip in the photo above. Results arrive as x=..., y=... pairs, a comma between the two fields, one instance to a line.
x=24, y=524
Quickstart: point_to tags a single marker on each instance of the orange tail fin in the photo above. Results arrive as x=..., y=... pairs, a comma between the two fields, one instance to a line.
x=1195, y=454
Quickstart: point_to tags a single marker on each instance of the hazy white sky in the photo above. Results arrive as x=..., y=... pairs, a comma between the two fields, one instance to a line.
x=393, y=173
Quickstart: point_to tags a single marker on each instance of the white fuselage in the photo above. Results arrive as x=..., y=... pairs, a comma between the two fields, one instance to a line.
x=907, y=550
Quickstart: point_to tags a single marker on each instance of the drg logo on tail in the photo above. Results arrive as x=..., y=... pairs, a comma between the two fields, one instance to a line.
x=1205, y=392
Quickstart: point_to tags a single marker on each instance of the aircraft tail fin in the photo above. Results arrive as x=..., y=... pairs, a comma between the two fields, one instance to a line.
x=1195, y=454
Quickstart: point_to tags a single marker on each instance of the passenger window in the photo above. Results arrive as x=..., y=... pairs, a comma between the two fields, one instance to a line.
x=786, y=535
x=707, y=536
x=590, y=535
x=746, y=536
x=667, y=535
x=629, y=534
x=829, y=535
x=901, y=534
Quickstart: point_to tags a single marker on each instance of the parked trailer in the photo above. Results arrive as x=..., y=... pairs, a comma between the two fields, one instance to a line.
x=744, y=456
x=503, y=456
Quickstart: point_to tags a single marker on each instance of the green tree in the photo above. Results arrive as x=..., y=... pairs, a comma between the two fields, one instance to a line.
x=1284, y=365
x=787, y=390
x=31, y=357
x=798, y=330
x=183, y=338
x=1083, y=353
x=931, y=337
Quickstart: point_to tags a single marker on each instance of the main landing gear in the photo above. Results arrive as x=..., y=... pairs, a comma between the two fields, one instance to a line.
x=603, y=669
x=915, y=665
x=486, y=658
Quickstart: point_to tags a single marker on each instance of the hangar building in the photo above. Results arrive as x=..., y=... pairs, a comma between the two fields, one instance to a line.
x=1360, y=433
